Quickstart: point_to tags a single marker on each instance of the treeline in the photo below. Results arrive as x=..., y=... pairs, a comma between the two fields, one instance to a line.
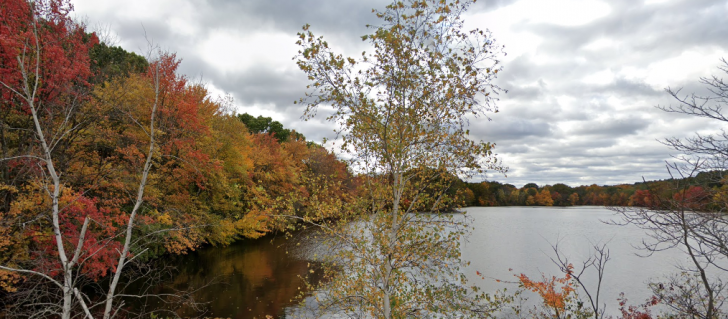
x=216, y=176
x=703, y=189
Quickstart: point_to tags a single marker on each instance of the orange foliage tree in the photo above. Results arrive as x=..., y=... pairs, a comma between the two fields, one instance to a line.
x=547, y=289
x=88, y=165
x=557, y=294
x=543, y=198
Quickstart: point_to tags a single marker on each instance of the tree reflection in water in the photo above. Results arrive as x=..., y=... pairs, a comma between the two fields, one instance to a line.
x=253, y=278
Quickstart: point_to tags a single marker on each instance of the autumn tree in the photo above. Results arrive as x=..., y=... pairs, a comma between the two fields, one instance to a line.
x=643, y=198
x=543, y=198
x=574, y=199
x=65, y=208
x=403, y=119
x=558, y=296
x=44, y=77
x=63, y=67
x=329, y=183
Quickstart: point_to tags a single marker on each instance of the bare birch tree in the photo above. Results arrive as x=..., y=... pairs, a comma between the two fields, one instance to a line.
x=693, y=219
x=48, y=134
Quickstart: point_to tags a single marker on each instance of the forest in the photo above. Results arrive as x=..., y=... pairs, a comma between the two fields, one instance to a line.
x=702, y=189
x=218, y=176
x=111, y=159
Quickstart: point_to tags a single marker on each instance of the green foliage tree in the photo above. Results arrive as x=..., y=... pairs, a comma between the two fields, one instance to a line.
x=108, y=62
x=262, y=124
x=531, y=185
x=403, y=115
x=562, y=189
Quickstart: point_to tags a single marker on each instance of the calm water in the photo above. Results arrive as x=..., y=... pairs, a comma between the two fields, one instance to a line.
x=251, y=278
x=260, y=278
x=521, y=238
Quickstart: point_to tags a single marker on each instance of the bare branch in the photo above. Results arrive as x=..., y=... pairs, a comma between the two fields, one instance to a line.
x=32, y=272
x=83, y=303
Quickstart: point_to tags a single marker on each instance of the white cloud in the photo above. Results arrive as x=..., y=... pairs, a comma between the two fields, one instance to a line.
x=687, y=67
x=138, y=10
x=558, y=12
x=601, y=44
x=234, y=51
x=648, y=2
x=583, y=75
x=602, y=77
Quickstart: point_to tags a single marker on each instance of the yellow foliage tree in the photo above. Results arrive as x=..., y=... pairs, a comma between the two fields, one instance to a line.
x=402, y=112
x=543, y=198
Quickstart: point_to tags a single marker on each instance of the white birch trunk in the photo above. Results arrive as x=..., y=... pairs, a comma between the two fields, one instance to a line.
x=137, y=205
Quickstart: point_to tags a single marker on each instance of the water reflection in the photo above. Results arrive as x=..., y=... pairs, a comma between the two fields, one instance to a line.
x=259, y=277
x=254, y=278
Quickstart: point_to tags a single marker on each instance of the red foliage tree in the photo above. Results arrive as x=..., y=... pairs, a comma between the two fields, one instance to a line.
x=694, y=198
x=99, y=252
x=63, y=63
x=636, y=312
x=643, y=198
x=38, y=42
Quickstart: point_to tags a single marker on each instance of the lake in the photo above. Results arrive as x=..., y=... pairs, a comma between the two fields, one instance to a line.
x=522, y=238
x=261, y=277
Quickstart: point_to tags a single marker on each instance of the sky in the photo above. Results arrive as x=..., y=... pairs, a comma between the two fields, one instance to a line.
x=583, y=76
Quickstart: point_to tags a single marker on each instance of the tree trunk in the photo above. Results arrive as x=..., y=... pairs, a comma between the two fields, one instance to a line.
x=137, y=205
x=397, y=189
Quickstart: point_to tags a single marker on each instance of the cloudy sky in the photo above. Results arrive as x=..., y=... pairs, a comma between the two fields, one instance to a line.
x=583, y=75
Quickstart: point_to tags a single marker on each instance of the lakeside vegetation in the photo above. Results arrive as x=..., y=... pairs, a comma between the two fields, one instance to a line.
x=702, y=189
x=109, y=155
x=110, y=159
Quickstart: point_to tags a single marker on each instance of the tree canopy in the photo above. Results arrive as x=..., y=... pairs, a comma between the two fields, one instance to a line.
x=109, y=158
x=262, y=124
x=402, y=112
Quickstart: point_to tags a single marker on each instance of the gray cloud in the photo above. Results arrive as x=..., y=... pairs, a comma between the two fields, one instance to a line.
x=610, y=128
x=640, y=34
x=344, y=17
x=510, y=129
x=580, y=107
x=259, y=85
x=490, y=5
